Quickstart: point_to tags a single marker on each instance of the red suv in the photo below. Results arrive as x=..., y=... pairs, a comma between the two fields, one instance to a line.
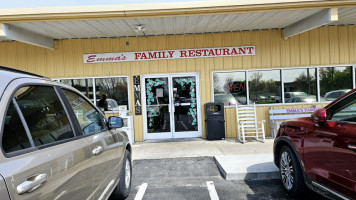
x=319, y=152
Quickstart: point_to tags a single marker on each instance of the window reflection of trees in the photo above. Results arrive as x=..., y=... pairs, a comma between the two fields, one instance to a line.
x=115, y=88
x=335, y=78
x=265, y=86
x=300, y=85
x=305, y=82
x=85, y=86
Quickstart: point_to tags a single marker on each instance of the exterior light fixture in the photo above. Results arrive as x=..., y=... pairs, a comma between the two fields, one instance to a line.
x=140, y=28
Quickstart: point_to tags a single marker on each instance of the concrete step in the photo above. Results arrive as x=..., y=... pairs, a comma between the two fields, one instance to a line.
x=247, y=167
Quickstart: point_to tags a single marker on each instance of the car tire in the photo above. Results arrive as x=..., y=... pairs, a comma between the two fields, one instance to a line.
x=122, y=189
x=291, y=173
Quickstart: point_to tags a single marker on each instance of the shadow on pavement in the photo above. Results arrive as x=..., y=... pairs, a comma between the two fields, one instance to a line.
x=261, y=191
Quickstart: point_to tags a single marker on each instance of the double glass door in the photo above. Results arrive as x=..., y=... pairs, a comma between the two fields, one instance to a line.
x=171, y=106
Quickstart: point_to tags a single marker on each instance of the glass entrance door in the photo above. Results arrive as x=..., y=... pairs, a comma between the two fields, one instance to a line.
x=157, y=104
x=171, y=106
x=185, y=106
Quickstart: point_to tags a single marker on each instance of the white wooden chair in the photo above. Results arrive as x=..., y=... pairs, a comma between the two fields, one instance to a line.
x=247, y=125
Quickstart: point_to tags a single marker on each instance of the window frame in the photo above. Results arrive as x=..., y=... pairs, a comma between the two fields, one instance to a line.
x=28, y=133
x=353, y=66
x=94, y=90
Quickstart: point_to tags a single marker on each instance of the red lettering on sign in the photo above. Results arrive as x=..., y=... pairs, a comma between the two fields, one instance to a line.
x=226, y=52
x=91, y=58
x=205, y=51
x=242, y=51
x=144, y=56
x=250, y=50
x=171, y=54
x=198, y=53
x=152, y=55
x=137, y=55
x=191, y=53
x=218, y=52
x=183, y=53
x=234, y=52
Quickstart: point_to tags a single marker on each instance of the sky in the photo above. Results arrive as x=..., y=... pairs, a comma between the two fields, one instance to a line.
x=59, y=3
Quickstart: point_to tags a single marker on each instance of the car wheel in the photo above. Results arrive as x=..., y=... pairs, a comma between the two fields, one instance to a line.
x=291, y=173
x=122, y=190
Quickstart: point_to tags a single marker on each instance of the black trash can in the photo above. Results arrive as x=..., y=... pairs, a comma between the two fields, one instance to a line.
x=214, y=120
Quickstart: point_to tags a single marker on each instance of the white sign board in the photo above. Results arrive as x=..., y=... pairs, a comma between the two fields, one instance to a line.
x=169, y=54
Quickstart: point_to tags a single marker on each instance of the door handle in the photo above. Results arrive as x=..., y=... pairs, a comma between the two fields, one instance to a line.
x=97, y=150
x=31, y=183
x=353, y=147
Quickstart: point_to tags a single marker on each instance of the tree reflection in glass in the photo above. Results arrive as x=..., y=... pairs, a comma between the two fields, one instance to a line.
x=85, y=86
x=299, y=85
x=335, y=79
x=115, y=88
x=230, y=87
x=265, y=86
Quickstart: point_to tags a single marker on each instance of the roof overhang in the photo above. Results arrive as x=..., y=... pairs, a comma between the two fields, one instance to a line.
x=163, y=9
x=44, y=25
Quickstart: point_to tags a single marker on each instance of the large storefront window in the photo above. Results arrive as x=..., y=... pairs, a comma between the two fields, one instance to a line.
x=115, y=90
x=334, y=82
x=300, y=85
x=265, y=86
x=230, y=88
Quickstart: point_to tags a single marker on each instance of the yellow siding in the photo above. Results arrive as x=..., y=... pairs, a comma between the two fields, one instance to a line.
x=322, y=46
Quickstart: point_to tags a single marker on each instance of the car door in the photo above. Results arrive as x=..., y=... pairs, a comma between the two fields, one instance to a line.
x=41, y=156
x=330, y=149
x=106, y=145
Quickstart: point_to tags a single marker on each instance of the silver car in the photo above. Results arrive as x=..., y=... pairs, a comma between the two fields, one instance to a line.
x=332, y=95
x=56, y=144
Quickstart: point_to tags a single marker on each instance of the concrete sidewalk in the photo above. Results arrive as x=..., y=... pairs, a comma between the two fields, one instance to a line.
x=236, y=161
x=196, y=147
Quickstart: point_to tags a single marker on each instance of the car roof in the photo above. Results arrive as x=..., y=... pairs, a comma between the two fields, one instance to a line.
x=341, y=97
x=343, y=90
x=8, y=74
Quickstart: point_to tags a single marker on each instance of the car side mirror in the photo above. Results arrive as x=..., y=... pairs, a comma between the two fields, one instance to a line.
x=115, y=122
x=319, y=116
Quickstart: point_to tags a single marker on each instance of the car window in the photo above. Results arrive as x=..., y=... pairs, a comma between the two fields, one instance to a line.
x=112, y=104
x=90, y=120
x=344, y=110
x=334, y=95
x=44, y=114
x=14, y=135
x=339, y=94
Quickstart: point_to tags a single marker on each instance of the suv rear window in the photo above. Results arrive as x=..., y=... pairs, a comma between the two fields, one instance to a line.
x=14, y=134
x=44, y=114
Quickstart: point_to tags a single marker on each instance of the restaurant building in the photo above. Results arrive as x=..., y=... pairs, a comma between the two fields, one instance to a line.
x=166, y=61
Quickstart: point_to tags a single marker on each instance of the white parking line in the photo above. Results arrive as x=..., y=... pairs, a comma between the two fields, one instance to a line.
x=212, y=191
x=141, y=191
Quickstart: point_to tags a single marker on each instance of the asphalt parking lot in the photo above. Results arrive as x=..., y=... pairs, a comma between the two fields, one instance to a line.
x=197, y=178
